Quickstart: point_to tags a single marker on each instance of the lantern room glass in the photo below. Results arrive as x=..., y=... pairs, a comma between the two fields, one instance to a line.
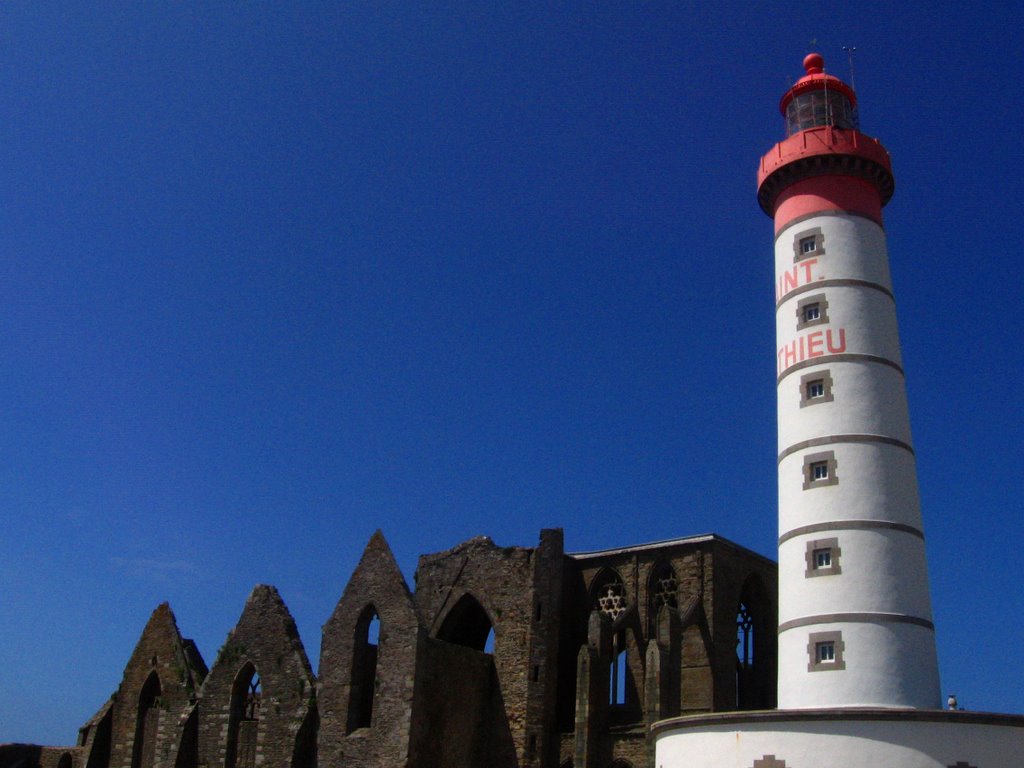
x=824, y=107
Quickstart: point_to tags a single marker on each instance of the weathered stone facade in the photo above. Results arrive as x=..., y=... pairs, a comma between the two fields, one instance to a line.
x=502, y=656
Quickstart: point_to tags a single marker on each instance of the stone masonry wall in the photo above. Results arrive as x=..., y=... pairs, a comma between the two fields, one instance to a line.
x=167, y=676
x=426, y=691
x=508, y=583
x=266, y=642
x=377, y=586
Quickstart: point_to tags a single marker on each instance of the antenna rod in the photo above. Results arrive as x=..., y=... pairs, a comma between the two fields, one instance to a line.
x=856, y=108
x=849, y=57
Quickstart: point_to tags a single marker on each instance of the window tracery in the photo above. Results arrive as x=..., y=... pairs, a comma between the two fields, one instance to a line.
x=610, y=595
x=664, y=588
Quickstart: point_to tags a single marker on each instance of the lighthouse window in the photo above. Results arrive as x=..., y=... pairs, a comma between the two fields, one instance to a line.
x=820, y=470
x=824, y=107
x=825, y=651
x=808, y=244
x=812, y=310
x=815, y=388
x=822, y=558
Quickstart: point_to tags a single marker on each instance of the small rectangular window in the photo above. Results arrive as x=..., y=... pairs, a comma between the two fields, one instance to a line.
x=820, y=469
x=816, y=388
x=826, y=652
x=808, y=244
x=823, y=558
x=811, y=310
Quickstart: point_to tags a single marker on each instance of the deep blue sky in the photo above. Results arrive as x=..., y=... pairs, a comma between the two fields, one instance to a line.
x=277, y=275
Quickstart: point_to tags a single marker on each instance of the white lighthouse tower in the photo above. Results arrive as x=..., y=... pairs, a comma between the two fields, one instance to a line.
x=855, y=620
x=858, y=677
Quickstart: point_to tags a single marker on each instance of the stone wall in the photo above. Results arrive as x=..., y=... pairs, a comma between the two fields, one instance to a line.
x=518, y=590
x=382, y=735
x=257, y=706
x=507, y=657
x=160, y=681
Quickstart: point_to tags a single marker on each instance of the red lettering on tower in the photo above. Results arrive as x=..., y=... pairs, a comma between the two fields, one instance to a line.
x=810, y=346
x=787, y=356
x=791, y=279
x=835, y=349
x=807, y=269
x=814, y=342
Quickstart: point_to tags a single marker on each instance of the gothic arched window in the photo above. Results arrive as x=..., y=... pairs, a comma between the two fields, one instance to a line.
x=468, y=624
x=244, y=718
x=364, y=669
x=144, y=747
x=609, y=594
x=663, y=601
x=755, y=673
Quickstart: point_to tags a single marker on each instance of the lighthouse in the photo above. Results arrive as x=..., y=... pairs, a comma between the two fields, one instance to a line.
x=858, y=681
x=855, y=619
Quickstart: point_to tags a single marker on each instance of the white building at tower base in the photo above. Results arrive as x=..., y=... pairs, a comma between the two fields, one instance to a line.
x=857, y=737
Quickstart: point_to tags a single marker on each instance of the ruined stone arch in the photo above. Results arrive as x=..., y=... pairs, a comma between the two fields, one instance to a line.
x=244, y=717
x=188, y=744
x=97, y=739
x=146, y=722
x=467, y=623
x=625, y=665
x=365, y=643
x=304, y=753
x=662, y=600
x=66, y=761
x=665, y=626
x=755, y=649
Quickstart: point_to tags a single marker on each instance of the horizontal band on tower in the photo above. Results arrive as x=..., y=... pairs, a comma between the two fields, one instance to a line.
x=851, y=525
x=833, y=439
x=826, y=212
x=856, y=618
x=846, y=357
x=837, y=283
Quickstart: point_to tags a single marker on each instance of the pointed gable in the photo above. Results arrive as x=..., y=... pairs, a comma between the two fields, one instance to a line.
x=368, y=663
x=158, y=685
x=261, y=686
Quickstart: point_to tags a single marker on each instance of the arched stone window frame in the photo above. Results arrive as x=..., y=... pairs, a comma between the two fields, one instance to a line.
x=468, y=623
x=146, y=722
x=608, y=593
x=363, y=674
x=245, y=707
x=662, y=600
x=755, y=673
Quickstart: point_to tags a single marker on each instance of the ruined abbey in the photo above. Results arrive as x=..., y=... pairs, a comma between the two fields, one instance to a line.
x=500, y=657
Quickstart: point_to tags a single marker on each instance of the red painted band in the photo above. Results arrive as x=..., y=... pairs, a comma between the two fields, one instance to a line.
x=827, y=193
